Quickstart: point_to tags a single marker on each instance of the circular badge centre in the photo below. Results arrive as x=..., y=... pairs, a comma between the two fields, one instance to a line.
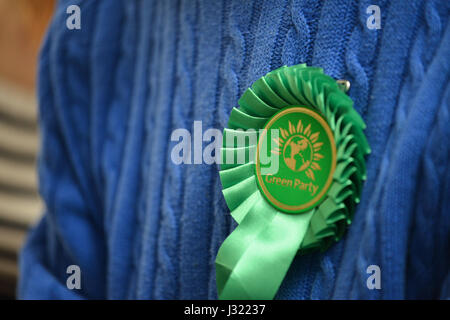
x=295, y=159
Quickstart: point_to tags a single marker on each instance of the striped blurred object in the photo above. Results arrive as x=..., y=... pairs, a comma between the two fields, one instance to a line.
x=19, y=201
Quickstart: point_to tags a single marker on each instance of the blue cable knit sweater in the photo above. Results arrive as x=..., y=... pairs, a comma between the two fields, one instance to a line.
x=142, y=227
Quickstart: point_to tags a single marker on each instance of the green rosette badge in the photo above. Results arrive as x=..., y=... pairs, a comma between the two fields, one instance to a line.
x=292, y=172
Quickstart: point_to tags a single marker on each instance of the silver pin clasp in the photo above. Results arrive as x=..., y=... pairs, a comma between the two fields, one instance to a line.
x=344, y=85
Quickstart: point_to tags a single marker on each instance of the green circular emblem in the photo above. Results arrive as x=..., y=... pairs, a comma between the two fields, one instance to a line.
x=295, y=159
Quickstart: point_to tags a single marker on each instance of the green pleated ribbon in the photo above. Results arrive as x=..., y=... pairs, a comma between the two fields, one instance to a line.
x=253, y=261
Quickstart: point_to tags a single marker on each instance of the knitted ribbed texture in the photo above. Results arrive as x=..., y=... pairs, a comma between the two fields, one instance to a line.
x=141, y=227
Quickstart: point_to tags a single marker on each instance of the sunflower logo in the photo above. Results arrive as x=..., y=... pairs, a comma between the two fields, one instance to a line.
x=300, y=148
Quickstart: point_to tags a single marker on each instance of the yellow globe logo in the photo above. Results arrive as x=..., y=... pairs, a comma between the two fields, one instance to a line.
x=304, y=144
x=300, y=148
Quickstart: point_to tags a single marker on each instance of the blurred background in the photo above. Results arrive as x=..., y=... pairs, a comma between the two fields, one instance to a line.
x=22, y=27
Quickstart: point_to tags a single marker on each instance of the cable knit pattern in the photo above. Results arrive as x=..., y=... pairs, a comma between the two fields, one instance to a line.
x=141, y=227
x=238, y=42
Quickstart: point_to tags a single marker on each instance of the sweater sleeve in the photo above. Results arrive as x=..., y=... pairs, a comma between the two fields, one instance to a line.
x=71, y=229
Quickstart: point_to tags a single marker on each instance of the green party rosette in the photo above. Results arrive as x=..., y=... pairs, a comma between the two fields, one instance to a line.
x=292, y=172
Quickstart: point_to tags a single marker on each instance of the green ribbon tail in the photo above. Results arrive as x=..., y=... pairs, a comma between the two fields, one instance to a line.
x=253, y=261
